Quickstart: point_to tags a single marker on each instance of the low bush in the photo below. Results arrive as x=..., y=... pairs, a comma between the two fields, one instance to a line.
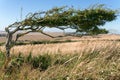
x=42, y=62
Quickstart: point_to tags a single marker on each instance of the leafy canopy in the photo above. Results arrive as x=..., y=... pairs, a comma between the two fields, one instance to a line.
x=87, y=20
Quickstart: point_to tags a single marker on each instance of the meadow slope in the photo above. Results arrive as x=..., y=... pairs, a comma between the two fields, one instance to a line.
x=86, y=58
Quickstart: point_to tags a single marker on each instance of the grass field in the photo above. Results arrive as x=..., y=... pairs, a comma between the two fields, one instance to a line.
x=70, y=45
x=86, y=58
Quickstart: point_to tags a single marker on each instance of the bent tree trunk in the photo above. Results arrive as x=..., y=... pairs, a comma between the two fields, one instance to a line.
x=8, y=46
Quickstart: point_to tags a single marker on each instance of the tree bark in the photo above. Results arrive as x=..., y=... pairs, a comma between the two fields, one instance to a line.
x=8, y=46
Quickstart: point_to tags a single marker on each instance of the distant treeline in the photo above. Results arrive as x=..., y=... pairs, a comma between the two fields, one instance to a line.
x=2, y=35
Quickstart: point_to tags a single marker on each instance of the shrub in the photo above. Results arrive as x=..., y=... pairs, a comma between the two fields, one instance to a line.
x=35, y=62
x=2, y=58
x=42, y=62
x=45, y=61
x=15, y=64
x=29, y=58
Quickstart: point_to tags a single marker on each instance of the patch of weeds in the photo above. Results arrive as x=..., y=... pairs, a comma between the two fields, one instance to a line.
x=15, y=64
x=68, y=61
x=61, y=59
x=20, y=59
x=91, y=55
x=113, y=77
x=29, y=58
x=61, y=78
x=45, y=61
x=35, y=62
x=104, y=73
x=42, y=62
x=2, y=58
x=1, y=44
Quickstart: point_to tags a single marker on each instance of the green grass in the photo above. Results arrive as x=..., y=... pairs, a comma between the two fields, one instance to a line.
x=2, y=58
x=1, y=44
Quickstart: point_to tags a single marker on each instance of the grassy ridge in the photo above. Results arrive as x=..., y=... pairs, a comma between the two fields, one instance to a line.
x=93, y=64
x=39, y=42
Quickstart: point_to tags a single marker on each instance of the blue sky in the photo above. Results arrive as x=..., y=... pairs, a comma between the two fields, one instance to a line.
x=10, y=9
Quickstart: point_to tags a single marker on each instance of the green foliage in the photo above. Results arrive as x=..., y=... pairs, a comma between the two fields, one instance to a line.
x=90, y=56
x=42, y=62
x=60, y=60
x=86, y=20
x=89, y=20
x=14, y=65
x=45, y=61
x=113, y=77
x=1, y=44
x=2, y=58
x=103, y=31
x=29, y=58
x=35, y=62
x=98, y=31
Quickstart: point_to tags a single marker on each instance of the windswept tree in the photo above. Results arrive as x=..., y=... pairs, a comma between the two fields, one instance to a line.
x=87, y=20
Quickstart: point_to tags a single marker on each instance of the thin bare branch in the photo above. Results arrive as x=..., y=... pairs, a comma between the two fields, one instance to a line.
x=21, y=34
x=46, y=34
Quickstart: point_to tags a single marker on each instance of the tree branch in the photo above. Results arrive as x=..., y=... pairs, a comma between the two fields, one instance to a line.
x=21, y=34
x=47, y=35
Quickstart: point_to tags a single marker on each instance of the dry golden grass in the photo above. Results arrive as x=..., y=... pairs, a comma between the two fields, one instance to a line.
x=85, y=43
x=62, y=48
x=90, y=58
